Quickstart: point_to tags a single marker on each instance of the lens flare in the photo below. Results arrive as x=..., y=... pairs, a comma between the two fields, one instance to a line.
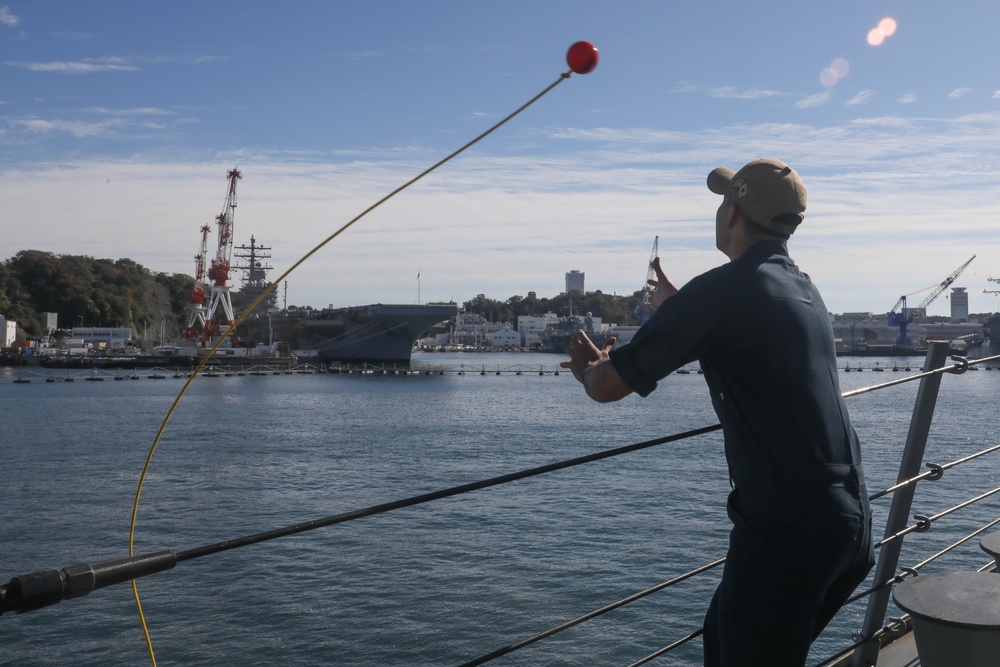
x=840, y=67
x=885, y=28
x=837, y=70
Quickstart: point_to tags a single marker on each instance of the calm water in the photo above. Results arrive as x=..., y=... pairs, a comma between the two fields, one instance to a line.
x=437, y=584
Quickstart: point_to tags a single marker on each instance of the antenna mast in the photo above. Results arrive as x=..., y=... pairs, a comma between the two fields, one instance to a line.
x=254, y=280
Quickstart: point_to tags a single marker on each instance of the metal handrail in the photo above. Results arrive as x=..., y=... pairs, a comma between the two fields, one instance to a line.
x=902, y=500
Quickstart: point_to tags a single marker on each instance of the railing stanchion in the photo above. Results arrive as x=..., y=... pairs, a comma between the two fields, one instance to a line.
x=899, y=512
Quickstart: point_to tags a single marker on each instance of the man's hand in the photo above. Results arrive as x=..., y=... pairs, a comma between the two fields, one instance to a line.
x=592, y=366
x=583, y=354
x=663, y=288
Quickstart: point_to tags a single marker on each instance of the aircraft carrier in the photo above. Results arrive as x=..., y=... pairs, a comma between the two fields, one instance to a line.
x=377, y=333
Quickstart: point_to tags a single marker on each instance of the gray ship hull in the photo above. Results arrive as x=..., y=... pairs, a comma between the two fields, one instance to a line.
x=376, y=334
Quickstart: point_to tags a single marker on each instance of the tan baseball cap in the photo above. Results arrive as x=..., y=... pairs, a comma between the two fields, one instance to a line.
x=767, y=191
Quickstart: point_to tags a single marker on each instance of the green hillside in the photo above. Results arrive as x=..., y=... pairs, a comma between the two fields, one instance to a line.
x=85, y=291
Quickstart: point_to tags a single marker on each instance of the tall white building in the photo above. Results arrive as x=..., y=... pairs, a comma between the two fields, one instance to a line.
x=959, y=304
x=574, y=281
x=8, y=332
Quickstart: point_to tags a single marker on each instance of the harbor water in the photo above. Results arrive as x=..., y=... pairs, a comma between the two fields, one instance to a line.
x=436, y=584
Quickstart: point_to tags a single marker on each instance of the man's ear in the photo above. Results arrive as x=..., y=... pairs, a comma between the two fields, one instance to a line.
x=734, y=217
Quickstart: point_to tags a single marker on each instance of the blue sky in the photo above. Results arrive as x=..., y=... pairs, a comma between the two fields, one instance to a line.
x=119, y=121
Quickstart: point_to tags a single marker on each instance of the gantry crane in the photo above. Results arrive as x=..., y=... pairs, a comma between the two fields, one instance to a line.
x=218, y=272
x=994, y=292
x=196, y=307
x=214, y=277
x=645, y=309
x=903, y=318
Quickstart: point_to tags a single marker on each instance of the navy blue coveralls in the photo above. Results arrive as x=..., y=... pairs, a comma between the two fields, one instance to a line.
x=801, y=537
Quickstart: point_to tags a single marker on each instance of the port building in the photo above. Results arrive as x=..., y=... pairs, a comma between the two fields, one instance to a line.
x=100, y=337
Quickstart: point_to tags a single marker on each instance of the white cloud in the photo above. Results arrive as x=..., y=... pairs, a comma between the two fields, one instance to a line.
x=8, y=19
x=517, y=223
x=75, y=67
x=113, y=63
x=908, y=98
x=959, y=92
x=731, y=92
x=75, y=128
x=861, y=98
x=136, y=123
x=139, y=111
x=817, y=100
x=996, y=95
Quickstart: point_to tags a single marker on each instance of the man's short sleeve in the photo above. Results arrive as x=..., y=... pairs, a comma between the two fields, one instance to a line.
x=683, y=329
x=622, y=361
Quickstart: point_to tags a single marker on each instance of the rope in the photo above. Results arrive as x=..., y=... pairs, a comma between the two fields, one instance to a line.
x=261, y=297
x=372, y=510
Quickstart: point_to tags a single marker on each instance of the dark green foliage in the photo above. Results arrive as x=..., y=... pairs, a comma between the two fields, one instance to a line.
x=611, y=309
x=89, y=292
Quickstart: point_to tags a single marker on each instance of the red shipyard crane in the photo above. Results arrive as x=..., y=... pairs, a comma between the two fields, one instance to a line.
x=216, y=279
x=196, y=307
x=218, y=272
x=905, y=316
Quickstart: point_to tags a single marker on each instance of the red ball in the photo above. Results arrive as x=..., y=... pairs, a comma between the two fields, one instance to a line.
x=582, y=57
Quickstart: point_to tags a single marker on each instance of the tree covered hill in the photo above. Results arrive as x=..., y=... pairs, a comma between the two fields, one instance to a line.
x=85, y=291
x=90, y=292
x=610, y=308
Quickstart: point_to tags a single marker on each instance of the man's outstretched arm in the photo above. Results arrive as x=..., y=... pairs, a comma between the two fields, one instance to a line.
x=592, y=368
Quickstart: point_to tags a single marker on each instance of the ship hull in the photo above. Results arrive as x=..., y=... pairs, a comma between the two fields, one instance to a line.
x=375, y=334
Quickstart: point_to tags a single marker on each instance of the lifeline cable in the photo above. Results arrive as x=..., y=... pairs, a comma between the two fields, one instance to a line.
x=582, y=58
x=41, y=589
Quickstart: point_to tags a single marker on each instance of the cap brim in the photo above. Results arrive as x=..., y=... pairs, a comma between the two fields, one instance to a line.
x=718, y=179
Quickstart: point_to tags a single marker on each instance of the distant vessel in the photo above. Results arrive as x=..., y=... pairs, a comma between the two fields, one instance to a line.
x=557, y=336
x=376, y=334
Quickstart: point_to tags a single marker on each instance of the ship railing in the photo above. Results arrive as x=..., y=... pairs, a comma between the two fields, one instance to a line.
x=877, y=630
x=40, y=589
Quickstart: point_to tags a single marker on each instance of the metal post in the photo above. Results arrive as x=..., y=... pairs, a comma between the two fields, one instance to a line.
x=899, y=512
